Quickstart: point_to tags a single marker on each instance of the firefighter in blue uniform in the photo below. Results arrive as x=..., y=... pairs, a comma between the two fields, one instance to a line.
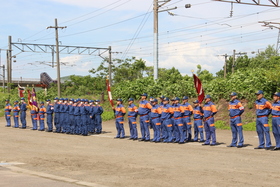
x=56, y=115
x=8, y=109
x=71, y=125
x=175, y=131
x=42, y=112
x=34, y=117
x=92, y=116
x=235, y=111
x=198, y=126
x=143, y=111
x=62, y=110
x=119, y=114
x=50, y=109
x=132, y=115
x=83, y=112
x=209, y=110
x=23, y=109
x=155, y=120
x=163, y=131
x=166, y=115
x=178, y=122
x=276, y=119
x=88, y=109
x=66, y=125
x=78, y=120
x=16, y=111
x=188, y=110
x=98, y=119
x=263, y=109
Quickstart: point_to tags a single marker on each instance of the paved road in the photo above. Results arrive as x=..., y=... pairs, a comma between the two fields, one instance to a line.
x=58, y=159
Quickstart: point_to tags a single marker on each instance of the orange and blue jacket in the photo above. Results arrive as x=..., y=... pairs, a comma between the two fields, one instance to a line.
x=178, y=111
x=42, y=112
x=144, y=107
x=188, y=109
x=166, y=112
x=235, y=108
x=8, y=109
x=263, y=107
x=120, y=111
x=198, y=112
x=209, y=109
x=132, y=110
x=275, y=109
x=155, y=112
x=16, y=110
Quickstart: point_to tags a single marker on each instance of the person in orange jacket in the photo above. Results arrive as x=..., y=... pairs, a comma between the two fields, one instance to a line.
x=16, y=111
x=8, y=109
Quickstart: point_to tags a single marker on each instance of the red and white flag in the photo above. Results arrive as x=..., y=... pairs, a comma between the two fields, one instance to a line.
x=109, y=92
x=21, y=90
x=198, y=87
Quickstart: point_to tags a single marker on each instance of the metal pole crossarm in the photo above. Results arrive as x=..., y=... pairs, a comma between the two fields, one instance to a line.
x=168, y=9
x=26, y=47
x=274, y=3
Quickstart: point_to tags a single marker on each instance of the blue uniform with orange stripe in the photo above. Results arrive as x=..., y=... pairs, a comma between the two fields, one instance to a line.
x=16, y=110
x=23, y=114
x=143, y=111
x=235, y=111
x=178, y=123
x=188, y=110
x=209, y=111
x=198, y=126
x=119, y=113
x=263, y=109
x=42, y=112
x=132, y=114
x=34, y=117
x=166, y=114
x=8, y=109
x=156, y=122
x=276, y=122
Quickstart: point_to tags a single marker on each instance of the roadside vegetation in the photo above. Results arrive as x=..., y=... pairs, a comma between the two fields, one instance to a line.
x=131, y=77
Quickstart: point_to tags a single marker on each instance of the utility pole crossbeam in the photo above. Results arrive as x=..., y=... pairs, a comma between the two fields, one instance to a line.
x=273, y=3
x=272, y=25
x=56, y=27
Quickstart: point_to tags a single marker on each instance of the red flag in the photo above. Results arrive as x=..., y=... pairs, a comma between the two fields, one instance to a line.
x=29, y=98
x=198, y=87
x=20, y=91
x=109, y=92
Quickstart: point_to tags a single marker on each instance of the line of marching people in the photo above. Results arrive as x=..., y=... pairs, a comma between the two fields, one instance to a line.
x=171, y=122
x=80, y=116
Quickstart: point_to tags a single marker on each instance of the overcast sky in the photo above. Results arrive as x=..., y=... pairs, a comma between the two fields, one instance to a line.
x=193, y=36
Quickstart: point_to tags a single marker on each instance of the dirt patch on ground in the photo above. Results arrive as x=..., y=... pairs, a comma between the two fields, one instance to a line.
x=107, y=161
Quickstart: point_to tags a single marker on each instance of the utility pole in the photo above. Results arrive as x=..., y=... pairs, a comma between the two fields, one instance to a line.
x=3, y=78
x=57, y=53
x=233, y=58
x=156, y=6
x=156, y=11
x=110, y=65
x=233, y=61
x=225, y=66
x=9, y=63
